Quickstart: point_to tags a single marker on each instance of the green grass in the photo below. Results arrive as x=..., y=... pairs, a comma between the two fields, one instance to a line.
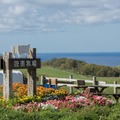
x=54, y=72
x=87, y=113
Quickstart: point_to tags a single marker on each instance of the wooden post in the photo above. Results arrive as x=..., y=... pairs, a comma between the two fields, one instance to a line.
x=32, y=74
x=56, y=82
x=94, y=80
x=71, y=88
x=71, y=76
x=49, y=81
x=115, y=88
x=42, y=80
x=7, y=77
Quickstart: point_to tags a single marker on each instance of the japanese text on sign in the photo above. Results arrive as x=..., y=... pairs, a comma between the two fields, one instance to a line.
x=24, y=63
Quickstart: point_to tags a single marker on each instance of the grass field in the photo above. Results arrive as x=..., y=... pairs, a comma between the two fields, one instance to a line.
x=53, y=72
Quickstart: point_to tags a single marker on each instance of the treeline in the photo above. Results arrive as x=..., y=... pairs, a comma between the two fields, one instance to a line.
x=82, y=67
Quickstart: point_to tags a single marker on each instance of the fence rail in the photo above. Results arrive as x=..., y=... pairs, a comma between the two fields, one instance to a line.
x=73, y=82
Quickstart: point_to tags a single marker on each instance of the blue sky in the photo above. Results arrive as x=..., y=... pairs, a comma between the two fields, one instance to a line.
x=61, y=25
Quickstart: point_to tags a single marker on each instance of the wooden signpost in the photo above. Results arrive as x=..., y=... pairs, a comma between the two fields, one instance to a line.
x=30, y=63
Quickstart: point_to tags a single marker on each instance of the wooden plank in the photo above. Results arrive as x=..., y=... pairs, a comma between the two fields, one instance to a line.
x=62, y=79
x=111, y=85
x=89, y=81
x=60, y=84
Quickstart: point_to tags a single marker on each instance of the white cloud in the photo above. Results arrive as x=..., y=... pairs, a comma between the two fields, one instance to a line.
x=9, y=1
x=48, y=15
x=52, y=2
x=16, y=10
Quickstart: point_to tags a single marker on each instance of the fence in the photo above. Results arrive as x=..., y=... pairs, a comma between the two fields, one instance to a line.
x=70, y=82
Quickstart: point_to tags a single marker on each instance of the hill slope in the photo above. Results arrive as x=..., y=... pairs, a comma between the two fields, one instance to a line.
x=82, y=67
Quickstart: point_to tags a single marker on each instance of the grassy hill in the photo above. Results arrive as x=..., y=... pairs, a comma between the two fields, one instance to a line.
x=83, y=68
x=55, y=72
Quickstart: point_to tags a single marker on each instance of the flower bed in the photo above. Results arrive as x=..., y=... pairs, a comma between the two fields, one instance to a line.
x=20, y=93
x=70, y=102
x=48, y=98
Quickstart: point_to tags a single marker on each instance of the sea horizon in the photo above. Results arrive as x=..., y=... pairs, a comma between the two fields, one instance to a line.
x=76, y=52
x=98, y=58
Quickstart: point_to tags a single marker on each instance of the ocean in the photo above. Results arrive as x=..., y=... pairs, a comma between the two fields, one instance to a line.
x=103, y=58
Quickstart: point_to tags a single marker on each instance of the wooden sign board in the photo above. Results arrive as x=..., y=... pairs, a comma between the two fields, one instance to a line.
x=24, y=63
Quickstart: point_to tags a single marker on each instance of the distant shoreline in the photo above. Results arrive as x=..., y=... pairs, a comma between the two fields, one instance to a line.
x=101, y=58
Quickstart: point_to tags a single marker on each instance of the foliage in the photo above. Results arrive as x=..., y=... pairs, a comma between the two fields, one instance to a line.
x=82, y=67
x=86, y=113
x=67, y=107
x=9, y=114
